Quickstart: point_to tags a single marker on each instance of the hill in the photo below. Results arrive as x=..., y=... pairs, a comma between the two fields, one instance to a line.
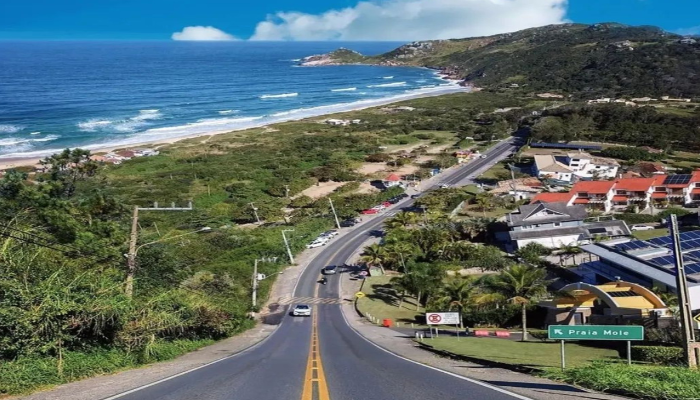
x=585, y=60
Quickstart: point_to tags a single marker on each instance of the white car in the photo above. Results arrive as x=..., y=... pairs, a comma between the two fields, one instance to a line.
x=317, y=243
x=483, y=156
x=329, y=234
x=641, y=228
x=301, y=310
x=445, y=186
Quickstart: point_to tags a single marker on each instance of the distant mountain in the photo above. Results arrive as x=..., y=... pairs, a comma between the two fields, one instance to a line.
x=585, y=60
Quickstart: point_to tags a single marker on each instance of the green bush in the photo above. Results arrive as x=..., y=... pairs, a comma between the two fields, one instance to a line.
x=644, y=382
x=658, y=354
x=632, y=218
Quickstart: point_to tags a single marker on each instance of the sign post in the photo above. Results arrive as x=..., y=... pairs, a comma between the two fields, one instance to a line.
x=441, y=318
x=627, y=333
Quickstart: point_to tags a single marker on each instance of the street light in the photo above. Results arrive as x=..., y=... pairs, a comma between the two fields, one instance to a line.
x=131, y=257
x=256, y=278
x=286, y=244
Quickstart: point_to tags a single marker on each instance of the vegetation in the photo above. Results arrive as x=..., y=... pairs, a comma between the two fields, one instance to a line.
x=538, y=355
x=585, y=60
x=643, y=382
x=662, y=355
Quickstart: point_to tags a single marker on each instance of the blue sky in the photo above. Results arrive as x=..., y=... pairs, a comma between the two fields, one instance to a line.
x=323, y=19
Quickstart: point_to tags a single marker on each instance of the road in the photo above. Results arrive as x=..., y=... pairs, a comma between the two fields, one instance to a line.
x=321, y=357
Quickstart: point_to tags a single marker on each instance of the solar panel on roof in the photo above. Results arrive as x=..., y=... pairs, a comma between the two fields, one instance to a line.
x=692, y=268
x=662, y=261
x=680, y=179
x=661, y=241
x=695, y=254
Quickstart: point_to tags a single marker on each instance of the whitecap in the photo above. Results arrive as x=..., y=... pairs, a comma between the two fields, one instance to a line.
x=387, y=77
x=394, y=84
x=94, y=124
x=350, y=89
x=6, y=128
x=278, y=96
x=226, y=112
x=35, y=133
x=16, y=141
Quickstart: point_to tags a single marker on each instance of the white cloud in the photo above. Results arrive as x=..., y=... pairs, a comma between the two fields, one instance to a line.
x=202, y=33
x=413, y=20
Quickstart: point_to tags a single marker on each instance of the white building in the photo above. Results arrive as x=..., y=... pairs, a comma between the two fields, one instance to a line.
x=587, y=166
x=547, y=166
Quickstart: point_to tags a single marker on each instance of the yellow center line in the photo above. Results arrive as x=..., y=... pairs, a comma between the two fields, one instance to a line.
x=315, y=377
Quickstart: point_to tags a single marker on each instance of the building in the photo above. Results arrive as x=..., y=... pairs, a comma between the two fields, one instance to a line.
x=547, y=166
x=550, y=96
x=562, y=197
x=649, y=263
x=391, y=181
x=587, y=166
x=555, y=225
x=520, y=189
x=687, y=40
x=611, y=303
x=594, y=195
x=603, y=100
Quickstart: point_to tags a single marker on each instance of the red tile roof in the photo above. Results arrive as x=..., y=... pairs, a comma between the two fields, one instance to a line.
x=695, y=191
x=581, y=201
x=551, y=198
x=635, y=184
x=392, y=178
x=619, y=198
x=695, y=176
x=599, y=187
x=658, y=195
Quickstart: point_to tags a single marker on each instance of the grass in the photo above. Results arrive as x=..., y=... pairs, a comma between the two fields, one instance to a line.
x=526, y=354
x=645, y=382
x=382, y=302
x=645, y=235
x=473, y=210
x=27, y=374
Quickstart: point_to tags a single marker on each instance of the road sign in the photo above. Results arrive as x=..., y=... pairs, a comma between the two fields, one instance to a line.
x=363, y=273
x=596, y=332
x=359, y=295
x=446, y=318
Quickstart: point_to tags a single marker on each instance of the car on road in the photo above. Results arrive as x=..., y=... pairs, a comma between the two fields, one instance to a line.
x=370, y=211
x=415, y=196
x=330, y=270
x=445, y=186
x=641, y=228
x=483, y=156
x=301, y=310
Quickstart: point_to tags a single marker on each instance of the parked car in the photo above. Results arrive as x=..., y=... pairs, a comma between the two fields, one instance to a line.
x=641, y=228
x=317, y=243
x=329, y=234
x=350, y=222
x=386, y=204
x=330, y=270
x=370, y=211
x=301, y=310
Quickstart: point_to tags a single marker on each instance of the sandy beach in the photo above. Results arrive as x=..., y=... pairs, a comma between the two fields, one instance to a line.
x=14, y=162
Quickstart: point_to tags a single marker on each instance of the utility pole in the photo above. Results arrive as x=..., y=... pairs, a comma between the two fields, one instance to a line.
x=254, y=296
x=255, y=211
x=337, y=222
x=286, y=244
x=689, y=345
x=286, y=190
x=512, y=181
x=133, y=239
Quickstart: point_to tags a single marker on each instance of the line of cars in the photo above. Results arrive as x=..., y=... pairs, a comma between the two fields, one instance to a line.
x=381, y=207
x=323, y=239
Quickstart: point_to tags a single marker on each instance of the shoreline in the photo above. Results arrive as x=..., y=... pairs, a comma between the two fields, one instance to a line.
x=15, y=162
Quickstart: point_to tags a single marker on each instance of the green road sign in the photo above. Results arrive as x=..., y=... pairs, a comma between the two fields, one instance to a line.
x=596, y=332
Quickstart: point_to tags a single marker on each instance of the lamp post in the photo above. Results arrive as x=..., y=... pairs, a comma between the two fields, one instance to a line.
x=256, y=278
x=133, y=251
x=286, y=244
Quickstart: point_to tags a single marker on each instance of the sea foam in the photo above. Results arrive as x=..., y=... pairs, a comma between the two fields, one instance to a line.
x=279, y=96
x=350, y=89
x=393, y=84
x=6, y=128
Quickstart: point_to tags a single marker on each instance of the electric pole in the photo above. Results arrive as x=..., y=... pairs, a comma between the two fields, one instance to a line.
x=133, y=239
x=286, y=190
x=254, y=296
x=689, y=345
x=337, y=222
x=255, y=211
x=286, y=244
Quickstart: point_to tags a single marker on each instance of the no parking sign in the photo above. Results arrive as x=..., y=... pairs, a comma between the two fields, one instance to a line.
x=446, y=318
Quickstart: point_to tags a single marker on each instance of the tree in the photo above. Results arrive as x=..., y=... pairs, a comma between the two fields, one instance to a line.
x=488, y=258
x=521, y=285
x=458, y=292
x=531, y=252
x=374, y=254
x=403, y=219
x=568, y=251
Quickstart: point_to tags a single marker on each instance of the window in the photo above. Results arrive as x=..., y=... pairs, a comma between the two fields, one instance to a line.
x=557, y=224
x=527, y=226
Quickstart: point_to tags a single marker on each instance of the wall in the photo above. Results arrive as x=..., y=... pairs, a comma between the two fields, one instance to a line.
x=551, y=242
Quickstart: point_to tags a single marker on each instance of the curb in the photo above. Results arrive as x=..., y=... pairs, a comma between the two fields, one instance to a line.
x=488, y=363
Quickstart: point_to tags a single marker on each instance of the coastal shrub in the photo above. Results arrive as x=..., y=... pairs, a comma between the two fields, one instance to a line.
x=633, y=218
x=661, y=355
x=378, y=158
x=630, y=154
x=301, y=201
x=673, y=210
x=643, y=382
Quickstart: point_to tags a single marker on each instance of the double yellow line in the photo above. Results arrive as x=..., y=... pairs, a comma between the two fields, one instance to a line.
x=315, y=377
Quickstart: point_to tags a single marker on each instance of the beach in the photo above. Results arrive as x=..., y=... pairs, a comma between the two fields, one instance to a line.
x=315, y=112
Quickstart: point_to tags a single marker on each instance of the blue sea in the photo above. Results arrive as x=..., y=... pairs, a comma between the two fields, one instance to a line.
x=93, y=95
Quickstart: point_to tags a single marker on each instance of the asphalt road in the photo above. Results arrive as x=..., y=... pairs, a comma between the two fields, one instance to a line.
x=321, y=357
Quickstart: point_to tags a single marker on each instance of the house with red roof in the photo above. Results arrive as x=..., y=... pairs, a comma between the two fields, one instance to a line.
x=595, y=195
x=391, y=181
x=552, y=198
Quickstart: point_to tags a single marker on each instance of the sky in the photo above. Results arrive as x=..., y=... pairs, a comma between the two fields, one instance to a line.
x=382, y=20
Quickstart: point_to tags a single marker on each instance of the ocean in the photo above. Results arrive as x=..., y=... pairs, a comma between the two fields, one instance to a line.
x=94, y=95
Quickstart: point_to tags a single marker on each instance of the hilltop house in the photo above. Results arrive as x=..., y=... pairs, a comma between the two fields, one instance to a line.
x=574, y=165
x=555, y=225
x=391, y=181
x=547, y=166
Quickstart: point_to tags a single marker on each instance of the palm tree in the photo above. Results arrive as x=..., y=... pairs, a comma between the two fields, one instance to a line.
x=522, y=285
x=374, y=255
x=485, y=201
x=398, y=253
x=568, y=251
x=475, y=227
x=403, y=219
x=458, y=292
